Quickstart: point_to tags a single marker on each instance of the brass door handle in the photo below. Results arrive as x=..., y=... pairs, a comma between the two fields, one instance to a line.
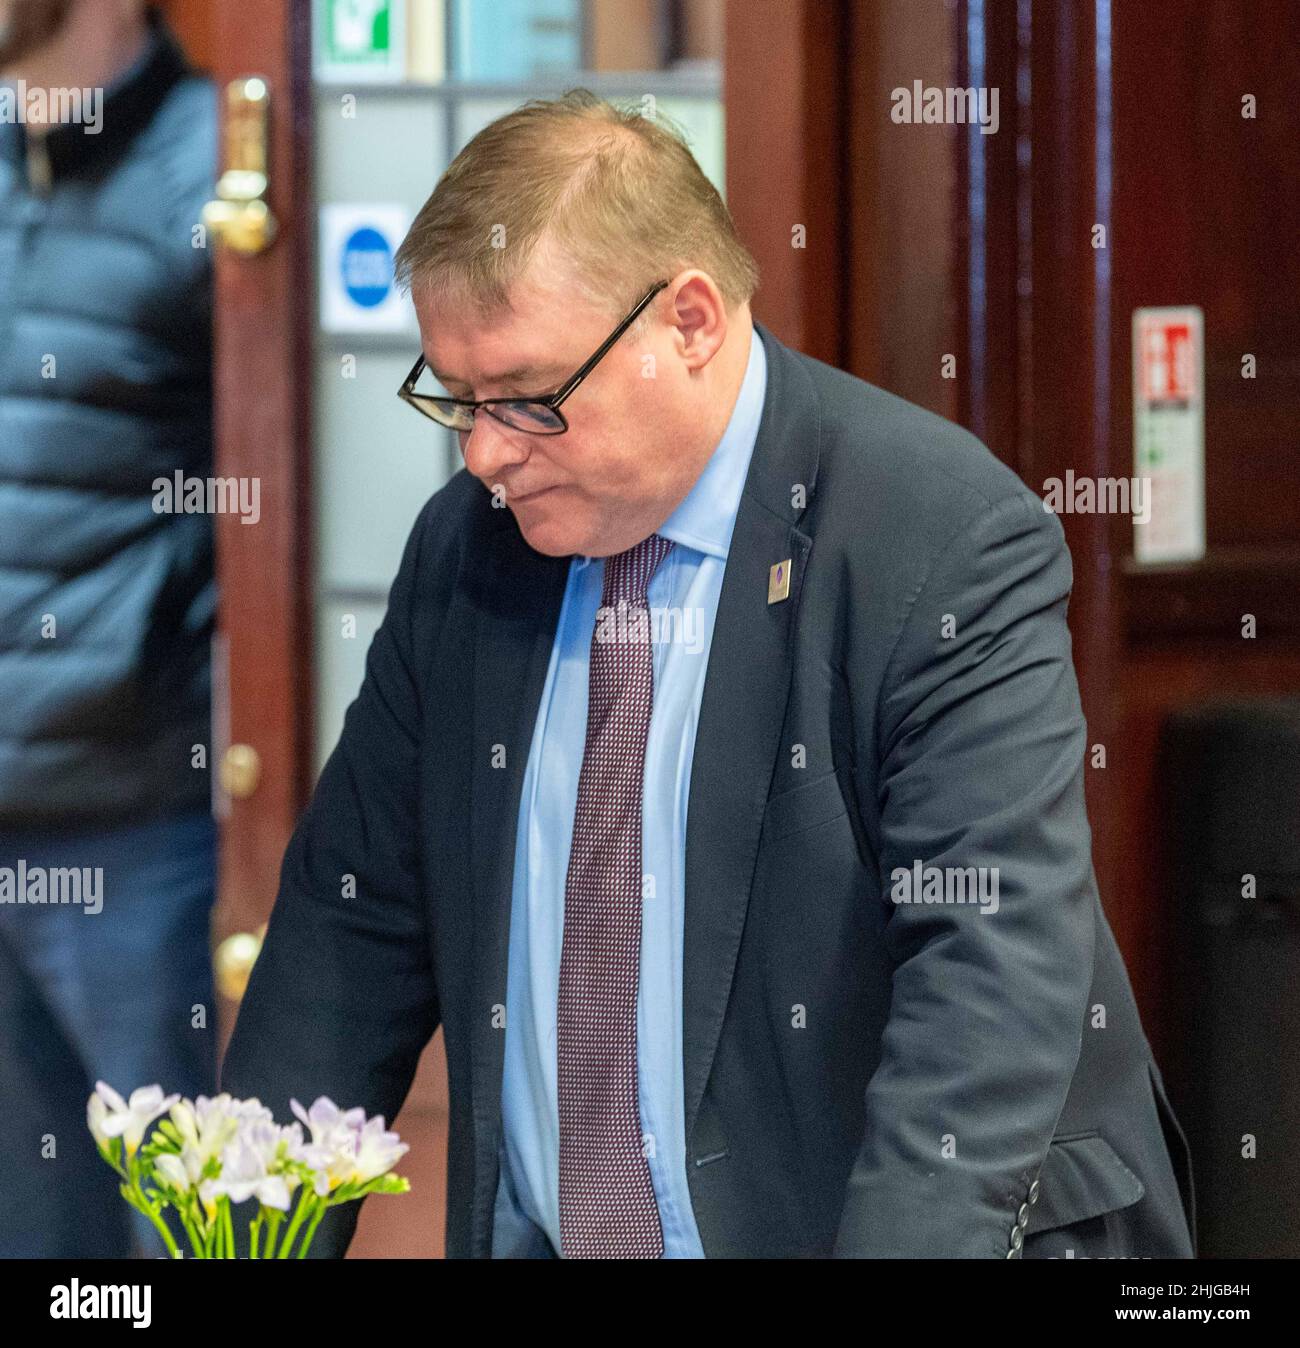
x=233, y=961
x=240, y=771
x=239, y=217
x=246, y=228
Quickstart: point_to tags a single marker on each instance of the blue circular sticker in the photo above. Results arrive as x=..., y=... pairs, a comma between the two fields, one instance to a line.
x=367, y=267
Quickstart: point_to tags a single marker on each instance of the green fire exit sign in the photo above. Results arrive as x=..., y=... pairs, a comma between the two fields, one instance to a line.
x=360, y=40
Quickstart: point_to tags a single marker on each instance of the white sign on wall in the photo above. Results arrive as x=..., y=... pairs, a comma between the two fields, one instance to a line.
x=357, y=291
x=360, y=40
x=1169, y=432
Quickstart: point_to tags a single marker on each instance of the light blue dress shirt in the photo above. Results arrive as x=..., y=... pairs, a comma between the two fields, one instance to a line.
x=683, y=600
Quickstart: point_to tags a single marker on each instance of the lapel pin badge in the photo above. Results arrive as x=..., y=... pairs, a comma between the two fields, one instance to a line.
x=778, y=582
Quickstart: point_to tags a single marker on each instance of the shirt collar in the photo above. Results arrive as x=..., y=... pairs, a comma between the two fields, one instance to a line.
x=706, y=518
x=129, y=102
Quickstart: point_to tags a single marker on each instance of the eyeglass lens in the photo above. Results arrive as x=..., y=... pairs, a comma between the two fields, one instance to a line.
x=522, y=415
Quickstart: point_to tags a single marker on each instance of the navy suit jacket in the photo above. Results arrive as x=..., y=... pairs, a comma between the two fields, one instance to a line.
x=863, y=1077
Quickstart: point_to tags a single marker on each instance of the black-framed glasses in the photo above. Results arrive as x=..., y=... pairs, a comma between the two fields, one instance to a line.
x=537, y=416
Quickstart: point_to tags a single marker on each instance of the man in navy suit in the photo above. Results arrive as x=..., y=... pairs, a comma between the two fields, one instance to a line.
x=716, y=781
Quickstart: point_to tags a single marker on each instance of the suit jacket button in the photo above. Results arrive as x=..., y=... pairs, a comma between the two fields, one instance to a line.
x=1017, y=1237
x=1023, y=1215
x=1033, y=1192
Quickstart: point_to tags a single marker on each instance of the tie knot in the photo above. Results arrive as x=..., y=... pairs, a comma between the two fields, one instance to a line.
x=627, y=574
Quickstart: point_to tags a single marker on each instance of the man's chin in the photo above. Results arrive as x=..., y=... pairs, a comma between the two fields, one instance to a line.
x=554, y=538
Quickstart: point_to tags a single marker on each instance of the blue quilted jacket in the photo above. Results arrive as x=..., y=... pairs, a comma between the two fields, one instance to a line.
x=106, y=605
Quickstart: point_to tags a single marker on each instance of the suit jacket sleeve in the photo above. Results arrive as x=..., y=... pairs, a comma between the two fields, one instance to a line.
x=342, y=998
x=981, y=740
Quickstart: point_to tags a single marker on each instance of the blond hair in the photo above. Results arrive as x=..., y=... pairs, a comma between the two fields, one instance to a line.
x=616, y=194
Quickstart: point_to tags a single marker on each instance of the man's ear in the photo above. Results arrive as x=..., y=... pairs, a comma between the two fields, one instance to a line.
x=698, y=312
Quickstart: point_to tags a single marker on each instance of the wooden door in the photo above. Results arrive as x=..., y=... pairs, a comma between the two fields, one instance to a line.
x=263, y=695
x=261, y=674
x=1127, y=172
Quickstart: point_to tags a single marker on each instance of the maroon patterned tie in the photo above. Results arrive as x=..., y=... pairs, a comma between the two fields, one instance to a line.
x=607, y=1200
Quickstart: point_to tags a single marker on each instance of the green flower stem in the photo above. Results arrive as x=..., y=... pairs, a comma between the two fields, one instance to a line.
x=311, y=1230
x=196, y=1239
x=272, y=1227
x=156, y=1218
x=302, y=1210
x=134, y=1195
x=192, y=1216
x=254, y=1232
x=111, y=1152
x=228, y=1227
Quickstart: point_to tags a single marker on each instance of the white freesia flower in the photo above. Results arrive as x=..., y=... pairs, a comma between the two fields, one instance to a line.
x=109, y=1116
x=208, y=1126
x=208, y=1129
x=325, y=1117
x=378, y=1151
x=252, y=1165
x=169, y=1168
x=346, y=1146
x=96, y=1113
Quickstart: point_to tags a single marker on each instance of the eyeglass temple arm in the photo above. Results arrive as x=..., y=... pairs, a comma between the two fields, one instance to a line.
x=409, y=382
x=559, y=396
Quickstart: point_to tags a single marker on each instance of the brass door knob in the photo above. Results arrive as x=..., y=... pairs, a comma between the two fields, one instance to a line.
x=239, y=218
x=234, y=959
x=241, y=770
x=245, y=227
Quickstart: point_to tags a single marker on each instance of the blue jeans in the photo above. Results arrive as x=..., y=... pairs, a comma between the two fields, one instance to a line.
x=123, y=995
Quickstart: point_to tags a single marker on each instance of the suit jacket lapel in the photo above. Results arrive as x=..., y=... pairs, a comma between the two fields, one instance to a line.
x=746, y=688
x=518, y=597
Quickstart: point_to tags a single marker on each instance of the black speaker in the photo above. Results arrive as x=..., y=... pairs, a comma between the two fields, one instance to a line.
x=1230, y=787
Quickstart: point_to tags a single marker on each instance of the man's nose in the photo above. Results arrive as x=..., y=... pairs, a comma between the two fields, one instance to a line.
x=490, y=447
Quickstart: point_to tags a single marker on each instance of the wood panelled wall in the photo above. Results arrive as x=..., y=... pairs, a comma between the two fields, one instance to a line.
x=195, y=24
x=925, y=241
